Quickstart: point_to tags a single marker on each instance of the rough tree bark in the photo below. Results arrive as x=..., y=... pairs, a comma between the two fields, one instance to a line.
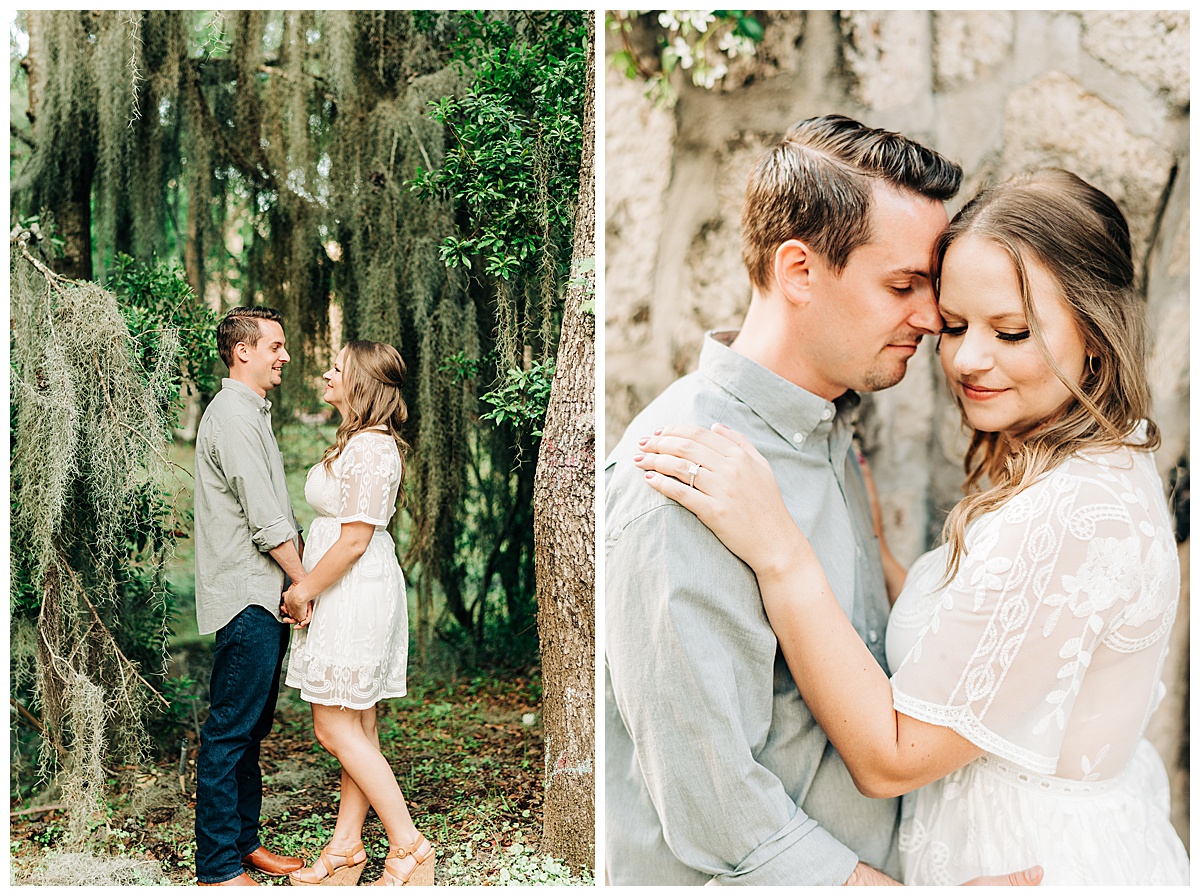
x=564, y=539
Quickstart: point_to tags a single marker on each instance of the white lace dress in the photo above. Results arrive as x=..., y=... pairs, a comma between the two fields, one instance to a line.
x=1046, y=650
x=354, y=652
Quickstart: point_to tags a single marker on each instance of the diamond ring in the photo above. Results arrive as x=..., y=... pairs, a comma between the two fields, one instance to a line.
x=692, y=471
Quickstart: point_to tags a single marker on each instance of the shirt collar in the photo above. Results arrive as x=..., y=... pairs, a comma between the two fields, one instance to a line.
x=260, y=402
x=795, y=413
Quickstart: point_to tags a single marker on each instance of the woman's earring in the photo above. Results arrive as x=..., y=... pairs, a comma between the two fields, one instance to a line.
x=1093, y=364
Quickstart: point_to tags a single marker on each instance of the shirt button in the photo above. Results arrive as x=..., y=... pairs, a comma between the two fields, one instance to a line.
x=873, y=635
x=827, y=414
x=798, y=438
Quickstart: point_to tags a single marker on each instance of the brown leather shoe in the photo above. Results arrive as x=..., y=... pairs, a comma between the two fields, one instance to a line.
x=242, y=880
x=262, y=859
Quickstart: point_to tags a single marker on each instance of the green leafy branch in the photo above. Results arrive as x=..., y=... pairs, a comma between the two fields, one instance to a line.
x=522, y=398
x=700, y=41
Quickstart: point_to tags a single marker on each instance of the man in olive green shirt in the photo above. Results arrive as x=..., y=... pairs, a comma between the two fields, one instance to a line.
x=247, y=547
x=715, y=770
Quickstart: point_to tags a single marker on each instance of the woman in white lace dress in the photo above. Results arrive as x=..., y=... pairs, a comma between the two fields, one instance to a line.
x=1027, y=650
x=350, y=645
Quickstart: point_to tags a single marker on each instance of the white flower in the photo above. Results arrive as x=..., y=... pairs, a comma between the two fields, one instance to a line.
x=707, y=76
x=734, y=45
x=697, y=18
x=682, y=51
x=668, y=21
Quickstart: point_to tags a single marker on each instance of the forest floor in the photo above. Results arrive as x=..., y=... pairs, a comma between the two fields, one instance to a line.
x=467, y=750
x=467, y=753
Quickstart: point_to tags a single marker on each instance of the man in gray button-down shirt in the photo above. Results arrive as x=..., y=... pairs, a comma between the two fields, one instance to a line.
x=247, y=539
x=714, y=768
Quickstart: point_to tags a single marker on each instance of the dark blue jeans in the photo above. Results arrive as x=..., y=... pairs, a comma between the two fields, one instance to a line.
x=245, y=685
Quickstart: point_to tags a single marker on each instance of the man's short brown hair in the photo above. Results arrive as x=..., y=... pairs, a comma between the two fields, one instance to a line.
x=241, y=325
x=815, y=186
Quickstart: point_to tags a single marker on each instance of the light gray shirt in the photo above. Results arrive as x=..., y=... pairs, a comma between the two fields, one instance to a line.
x=242, y=508
x=714, y=767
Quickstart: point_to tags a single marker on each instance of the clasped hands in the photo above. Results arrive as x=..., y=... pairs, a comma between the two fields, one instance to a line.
x=296, y=605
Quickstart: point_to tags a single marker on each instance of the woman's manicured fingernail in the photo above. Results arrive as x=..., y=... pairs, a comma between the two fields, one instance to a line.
x=650, y=476
x=643, y=442
x=638, y=458
x=658, y=432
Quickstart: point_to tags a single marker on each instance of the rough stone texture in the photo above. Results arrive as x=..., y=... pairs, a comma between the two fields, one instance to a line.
x=1153, y=47
x=639, y=138
x=777, y=54
x=887, y=51
x=1053, y=120
x=1103, y=94
x=967, y=44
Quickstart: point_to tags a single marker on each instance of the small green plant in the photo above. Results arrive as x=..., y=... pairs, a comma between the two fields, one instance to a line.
x=460, y=367
x=522, y=398
x=581, y=279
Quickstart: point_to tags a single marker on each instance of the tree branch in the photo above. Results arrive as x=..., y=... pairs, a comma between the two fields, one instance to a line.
x=96, y=615
x=28, y=717
x=18, y=134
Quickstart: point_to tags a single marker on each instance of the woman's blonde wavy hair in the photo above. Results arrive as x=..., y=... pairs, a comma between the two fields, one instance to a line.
x=372, y=379
x=1078, y=235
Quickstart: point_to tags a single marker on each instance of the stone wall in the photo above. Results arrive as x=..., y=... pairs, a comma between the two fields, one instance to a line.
x=1103, y=94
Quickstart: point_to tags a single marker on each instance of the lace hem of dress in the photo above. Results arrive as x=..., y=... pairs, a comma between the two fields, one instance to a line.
x=329, y=682
x=962, y=721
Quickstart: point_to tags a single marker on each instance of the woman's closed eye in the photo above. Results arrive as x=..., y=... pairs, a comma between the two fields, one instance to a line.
x=1016, y=336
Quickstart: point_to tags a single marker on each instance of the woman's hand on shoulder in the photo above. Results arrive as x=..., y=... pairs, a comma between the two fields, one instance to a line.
x=721, y=477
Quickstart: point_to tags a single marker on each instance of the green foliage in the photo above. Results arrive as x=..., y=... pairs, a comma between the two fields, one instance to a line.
x=512, y=166
x=157, y=295
x=521, y=400
x=460, y=367
x=581, y=279
x=519, y=864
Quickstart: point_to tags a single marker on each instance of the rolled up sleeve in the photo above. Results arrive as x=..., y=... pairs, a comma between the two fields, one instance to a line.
x=691, y=658
x=244, y=453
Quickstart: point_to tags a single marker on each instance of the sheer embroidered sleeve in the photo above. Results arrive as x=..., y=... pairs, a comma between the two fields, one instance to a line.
x=368, y=471
x=1046, y=646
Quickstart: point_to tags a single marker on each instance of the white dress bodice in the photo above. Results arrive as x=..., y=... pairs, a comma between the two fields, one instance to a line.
x=1045, y=649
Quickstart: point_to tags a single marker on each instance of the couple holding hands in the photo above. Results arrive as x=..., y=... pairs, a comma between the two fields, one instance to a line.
x=342, y=607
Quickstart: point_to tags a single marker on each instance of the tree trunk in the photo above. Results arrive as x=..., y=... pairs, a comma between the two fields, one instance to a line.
x=73, y=215
x=564, y=540
x=32, y=63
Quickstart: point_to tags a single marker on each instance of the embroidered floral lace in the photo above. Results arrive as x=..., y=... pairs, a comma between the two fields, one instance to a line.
x=355, y=651
x=1046, y=650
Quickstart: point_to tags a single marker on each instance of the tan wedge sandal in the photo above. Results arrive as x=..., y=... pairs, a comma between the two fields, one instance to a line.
x=344, y=874
x=398, y=873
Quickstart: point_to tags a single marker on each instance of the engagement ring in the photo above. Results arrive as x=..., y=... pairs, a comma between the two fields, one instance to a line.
x=692, y=471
